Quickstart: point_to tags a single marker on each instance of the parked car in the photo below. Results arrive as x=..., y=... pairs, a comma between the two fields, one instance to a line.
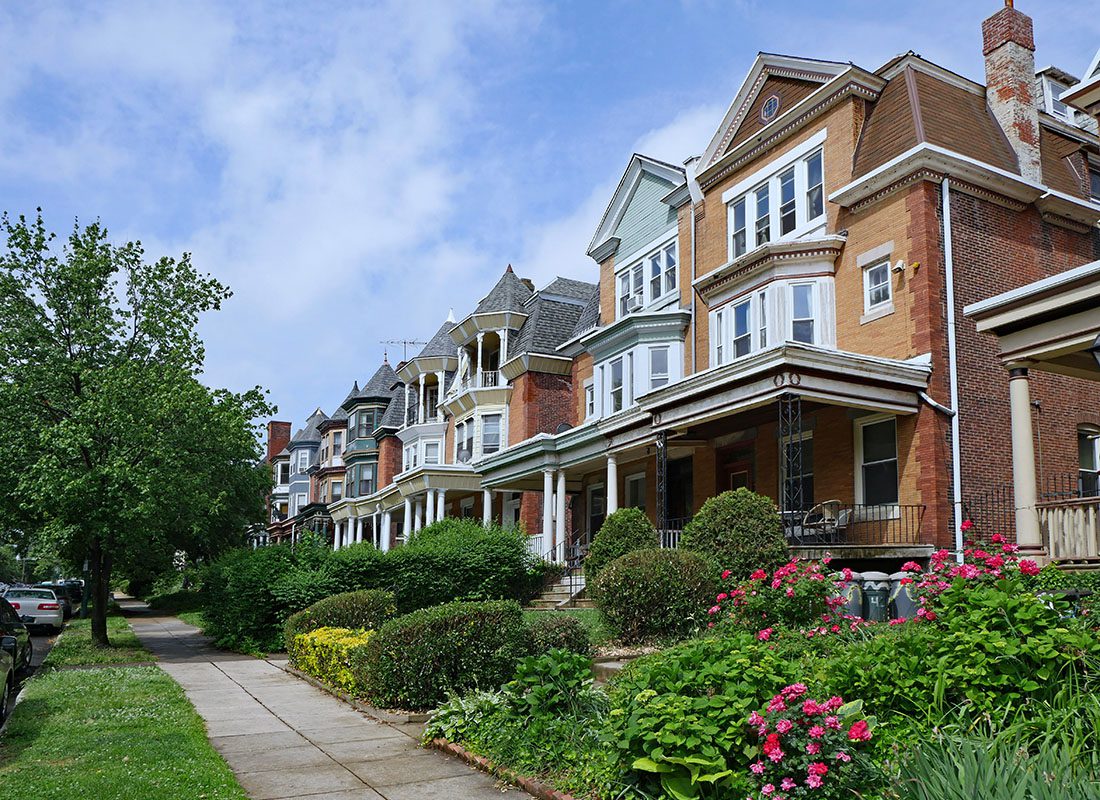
x=11, y=625
x=62, y=595
x=37, y=607
x=7, y=673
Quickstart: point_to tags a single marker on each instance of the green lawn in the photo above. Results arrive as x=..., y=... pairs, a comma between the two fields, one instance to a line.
x=110, y=734
x=599, y=630
x=74, y=646
x=192, y=618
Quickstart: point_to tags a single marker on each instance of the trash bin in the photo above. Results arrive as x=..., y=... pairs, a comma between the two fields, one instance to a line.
x=903, y=604
x=876, y=596
x=852, y=594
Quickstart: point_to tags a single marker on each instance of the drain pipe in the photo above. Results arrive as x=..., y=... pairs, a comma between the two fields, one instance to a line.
x=696, y=194
x=953, y=370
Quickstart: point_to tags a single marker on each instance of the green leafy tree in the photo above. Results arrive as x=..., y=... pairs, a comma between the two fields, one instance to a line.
x=122, y=456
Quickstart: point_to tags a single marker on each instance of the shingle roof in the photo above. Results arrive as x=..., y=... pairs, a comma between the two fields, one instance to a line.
x=352, y=394
x=441, y=344
x=339, y=414
x=590, y=316
x=509, y=294
x=551, y=322
x=567, y=287
x=381, y=384
x=309, y=433
x=394, y=415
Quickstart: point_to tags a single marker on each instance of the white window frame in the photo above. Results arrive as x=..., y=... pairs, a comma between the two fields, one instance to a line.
x=718, y=346
x=768, y=180
x=664, y=377
x=869, y=306
x=303, y=461
x=635, y=281
x=434, y=443
x=815, y=312
x=746, y=336
x=301, y=500
x=1050, y=88
x=500, y=433
x=632, y=481
x=589, y=398
x=611, y=389
x=892, y=510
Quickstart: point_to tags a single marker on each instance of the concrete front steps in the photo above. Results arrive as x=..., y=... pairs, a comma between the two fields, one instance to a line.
x=563, y=594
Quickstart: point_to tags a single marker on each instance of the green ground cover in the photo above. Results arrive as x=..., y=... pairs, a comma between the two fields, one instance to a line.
x=192, y=618
x=111, y=734
x=599, y=630
x=74, y=646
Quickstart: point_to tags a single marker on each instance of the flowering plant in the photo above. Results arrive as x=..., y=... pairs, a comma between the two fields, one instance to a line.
x=797, y=594
x=808, y=747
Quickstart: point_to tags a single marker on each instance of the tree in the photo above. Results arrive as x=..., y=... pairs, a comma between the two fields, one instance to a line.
x=122, y=456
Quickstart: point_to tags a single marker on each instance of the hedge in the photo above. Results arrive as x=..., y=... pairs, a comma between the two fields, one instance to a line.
x=325, y=653
x=739, y=531
x=624, y=531
x=549, y=630
x=416, y=660
x=655, y=593
x=363, y=610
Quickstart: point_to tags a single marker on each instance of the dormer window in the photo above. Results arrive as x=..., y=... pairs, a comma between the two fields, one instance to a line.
x=1053, y=93
x=647, y=281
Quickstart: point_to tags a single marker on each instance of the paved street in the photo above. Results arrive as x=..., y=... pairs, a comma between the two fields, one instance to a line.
x=284, y=738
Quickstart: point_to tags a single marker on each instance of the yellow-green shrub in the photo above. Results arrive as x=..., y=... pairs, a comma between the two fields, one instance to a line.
x=324, y=653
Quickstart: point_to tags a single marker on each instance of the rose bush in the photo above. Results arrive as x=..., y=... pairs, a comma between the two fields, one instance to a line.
x=795, y=595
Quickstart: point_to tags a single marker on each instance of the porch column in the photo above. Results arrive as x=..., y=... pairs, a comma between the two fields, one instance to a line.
x=1028, y=535
x=429, y=507
x=440, y=378
x=559, y=523
x=420, y=409
x=503, y=333
x=418, y=515
x=386, y=521
x=335, y=536
x=486, y=506
x=612, y=485
x=548, y=507
x=358, y=530
x=407, y=522
x=480, y=340
x=441, y=507
x=408, y=405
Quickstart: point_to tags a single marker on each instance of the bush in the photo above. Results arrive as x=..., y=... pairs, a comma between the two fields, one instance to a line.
x=365, y=610
x=797, y=595
x=655, y=593
x=549, y=630
x=416, y=660
x=356, y=567
x=624, y=531
x=740, y=531
x=325, y=653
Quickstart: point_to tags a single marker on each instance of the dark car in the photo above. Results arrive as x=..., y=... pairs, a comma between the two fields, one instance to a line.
x=13, y=627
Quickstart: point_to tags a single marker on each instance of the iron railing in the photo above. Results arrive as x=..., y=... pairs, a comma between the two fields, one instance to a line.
x=994, y=510
x=857, y=524
x=670, y=535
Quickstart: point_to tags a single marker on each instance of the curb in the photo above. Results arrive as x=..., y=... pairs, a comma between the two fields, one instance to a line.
x=530, y=785
x=390, y=717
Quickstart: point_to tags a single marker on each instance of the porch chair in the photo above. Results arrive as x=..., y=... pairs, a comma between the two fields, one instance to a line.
x=827, y=521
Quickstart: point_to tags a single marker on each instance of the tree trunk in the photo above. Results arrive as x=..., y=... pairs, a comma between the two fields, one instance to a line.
x=100, y=568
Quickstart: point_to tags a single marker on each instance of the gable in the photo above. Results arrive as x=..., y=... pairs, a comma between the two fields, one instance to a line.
x=645, y=216
x=644, y=182
x=789, y=92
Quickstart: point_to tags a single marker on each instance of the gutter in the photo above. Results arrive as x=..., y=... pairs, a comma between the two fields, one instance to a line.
x=953, y=370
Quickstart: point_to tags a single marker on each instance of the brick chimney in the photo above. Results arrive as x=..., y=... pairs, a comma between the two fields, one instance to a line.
x=1008, y=42
x=278, y=437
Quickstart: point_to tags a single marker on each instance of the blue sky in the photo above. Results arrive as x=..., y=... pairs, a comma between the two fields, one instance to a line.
x=353, y=171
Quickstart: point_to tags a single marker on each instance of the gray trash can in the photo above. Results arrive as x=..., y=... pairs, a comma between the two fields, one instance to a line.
x=876, y=596
x=853, y=595
x=903, y=604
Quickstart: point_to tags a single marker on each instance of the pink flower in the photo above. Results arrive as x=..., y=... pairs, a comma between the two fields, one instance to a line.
x=842, y=756
x=788, y=783
x=813, y=781
x=790, y=592
x=810, y=708
x=846, y=574
x=784, y=725
x=997, y=538
x=714, y=610
x=1029, y=567
x=816, y=732
x=767, y=788
x=755, y=719
x=721, y=597
x=859, y=732
x=817, y=768
x=772, y=749
x=758, y=575
x=725, y=574
x=757, y=767
x=764, y=635
x=911, y=566
x=898, y=621
x=833, y=703
x=813, y=748
x=794, y=690
x=966, y=525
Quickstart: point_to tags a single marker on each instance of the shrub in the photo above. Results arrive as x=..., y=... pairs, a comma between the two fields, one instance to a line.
x=241, y=610
x=325, y=653
x=796, y=595
x=365, y=610
x=624, y=531
x=740, y=531
x=555, y=683
x=416, y=660
x=356, y=567
x=655, y=593
x=550, y=630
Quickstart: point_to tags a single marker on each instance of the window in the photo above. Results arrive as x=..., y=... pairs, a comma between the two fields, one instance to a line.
x=802, y=317
x=366, y=424
x=589, y=400
x=656, y=272
x=877, y=451
x=337, y=490
x=786, y=202
x=283, y=471
x=658, y=367
x=876, y=286
x=1056, y=106
x=1088, y=448
x=635, y=291
x=616, y=385
x=763, y=215
x=742, y=332
x=464, y=441
x=1094, y=184
x=769, y=109
x=337, y=442
x=762, y=301
x=303, y=461
x=431, y=452
x=366, y=480
x=798, y=473
x=737, y=225
x=670, y=268
x=300, y=502
x=635, y=491
x=490, y=433
x=411, y=456
x=719, y=336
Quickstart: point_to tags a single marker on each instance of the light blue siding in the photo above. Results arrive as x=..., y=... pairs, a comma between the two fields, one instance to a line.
x=646, y=217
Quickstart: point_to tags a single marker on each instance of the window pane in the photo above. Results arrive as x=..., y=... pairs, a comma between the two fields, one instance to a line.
x=803, y=301
x=741, y=333
x=815, y=205
x=670, y=268
x=880, y=483
x=655, y=276
x=658, y=361
x=880, y=441
x=1086, y=449
x=624, y=293
x=1094, y=183
x=803, y=331
x=738, y=235
x=786, y=202
x=763, y=319
x=763, y=215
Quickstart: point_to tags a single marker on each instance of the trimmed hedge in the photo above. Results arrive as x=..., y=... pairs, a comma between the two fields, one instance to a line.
x=739, y=531
x=416, y=660
x=364, y=610
x=549, y=630
x=655, y=593
x=624, y=531
x=325, y=653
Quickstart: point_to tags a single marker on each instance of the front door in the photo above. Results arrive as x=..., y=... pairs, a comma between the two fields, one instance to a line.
x=597, y=509
x=679, y=492
x=736, y=468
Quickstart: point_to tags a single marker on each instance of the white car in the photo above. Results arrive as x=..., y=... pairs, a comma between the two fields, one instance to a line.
x=41, y=605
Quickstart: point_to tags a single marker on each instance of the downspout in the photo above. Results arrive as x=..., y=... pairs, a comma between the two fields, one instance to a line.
x=696, y=195
x=953, y=371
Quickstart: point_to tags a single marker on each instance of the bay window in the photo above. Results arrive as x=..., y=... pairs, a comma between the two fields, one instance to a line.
x=877, y=461
x=431, y=452
x=490, y=433
x=802, y=312
x=742, y=333
x=648, y=280
x=658, y=367
x=616, y=367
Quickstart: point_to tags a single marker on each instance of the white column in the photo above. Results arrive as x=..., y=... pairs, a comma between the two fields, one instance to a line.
x=407, y=523
x=408, y=405
x=548, y=507
x=486, y=506
x=335, y=536
x=429, y=507
x=441, y=507
x=440, y=379
x=420, y=409
x=503, y=345
x=1028, y=535
x=559, y=522
x=612, y=485
x=387, y=520
x=480, y=339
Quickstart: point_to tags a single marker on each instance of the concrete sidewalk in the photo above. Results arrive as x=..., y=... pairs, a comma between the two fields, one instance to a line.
x=284, y=738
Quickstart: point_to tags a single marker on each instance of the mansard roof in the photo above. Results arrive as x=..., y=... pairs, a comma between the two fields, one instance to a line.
x=589, y=317
x=552, y=316
x=509, y=294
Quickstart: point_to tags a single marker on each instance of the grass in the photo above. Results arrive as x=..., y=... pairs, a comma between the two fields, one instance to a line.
x=74, y=646
x=599, y=629
x=192, y=618
x=112, y=733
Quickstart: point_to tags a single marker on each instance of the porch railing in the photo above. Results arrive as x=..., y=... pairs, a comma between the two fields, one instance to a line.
x=857, y=524
x=994, y=510
x=536, y=545
x=1071, y=528
x=670, y=536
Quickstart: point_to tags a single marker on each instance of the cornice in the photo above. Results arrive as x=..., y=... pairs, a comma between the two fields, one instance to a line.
x=797, y=250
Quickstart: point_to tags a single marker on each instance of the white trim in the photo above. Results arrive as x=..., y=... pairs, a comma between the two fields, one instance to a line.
x=623, y=193
x=633, y=478
x=885, y=250
x=1043, y=285
x=788, y=158
x=870, y=308
x=857, y=457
